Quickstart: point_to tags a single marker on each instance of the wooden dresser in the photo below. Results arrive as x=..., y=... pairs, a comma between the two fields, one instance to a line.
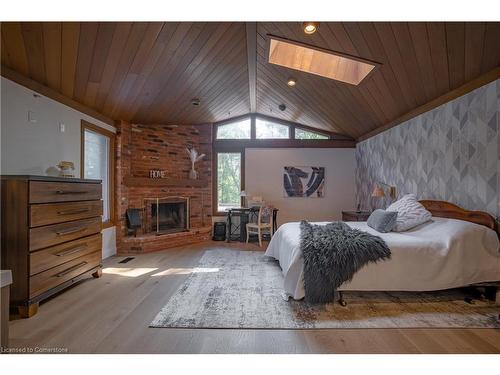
x=51, y=235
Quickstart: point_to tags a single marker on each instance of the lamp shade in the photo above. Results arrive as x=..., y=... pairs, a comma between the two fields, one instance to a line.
x=243, y=193
x=378, y=192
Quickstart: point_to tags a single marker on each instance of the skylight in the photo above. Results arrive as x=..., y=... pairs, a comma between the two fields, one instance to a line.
x=329, y=64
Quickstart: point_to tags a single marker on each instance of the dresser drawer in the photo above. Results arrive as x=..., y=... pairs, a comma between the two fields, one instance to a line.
x=52, y=213
x=58, y=233
x=53, y=256
x=49, y=192
x=64, y=272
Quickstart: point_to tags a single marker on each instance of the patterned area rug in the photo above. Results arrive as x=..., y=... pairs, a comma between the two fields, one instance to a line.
x=243, y=289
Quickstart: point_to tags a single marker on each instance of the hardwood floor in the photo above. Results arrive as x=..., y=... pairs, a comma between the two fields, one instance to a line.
x=112, y=314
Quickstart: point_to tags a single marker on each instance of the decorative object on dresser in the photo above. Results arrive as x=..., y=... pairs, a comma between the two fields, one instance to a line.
x=66, y=169
x=355, y=215
x=51, y=235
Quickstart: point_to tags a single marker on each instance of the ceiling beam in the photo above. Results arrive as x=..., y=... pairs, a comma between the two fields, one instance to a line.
x=482, y=80
x=52, y=94
x=251, y=31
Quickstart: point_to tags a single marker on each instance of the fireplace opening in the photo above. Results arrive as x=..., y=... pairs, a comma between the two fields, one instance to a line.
x=167, y=215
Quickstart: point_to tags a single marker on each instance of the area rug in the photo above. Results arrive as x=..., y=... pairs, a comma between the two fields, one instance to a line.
x=243, y=289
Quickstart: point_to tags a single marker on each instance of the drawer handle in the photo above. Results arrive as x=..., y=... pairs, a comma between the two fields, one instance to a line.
x=64, y=192
x=71, y=250
x=69, y=231
x=73, y=212
x=66, y=271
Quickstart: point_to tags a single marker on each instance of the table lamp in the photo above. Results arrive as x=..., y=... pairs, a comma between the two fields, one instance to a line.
x=244, y=195
x=378, y=191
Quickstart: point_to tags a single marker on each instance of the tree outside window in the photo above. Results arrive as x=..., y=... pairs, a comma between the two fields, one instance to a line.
x=228, y=180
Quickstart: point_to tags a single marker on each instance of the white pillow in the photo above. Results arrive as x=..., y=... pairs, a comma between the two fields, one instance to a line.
x=410, y=213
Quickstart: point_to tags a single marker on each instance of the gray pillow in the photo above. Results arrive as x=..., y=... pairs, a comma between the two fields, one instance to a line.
x=382, y=221
x=410, y=213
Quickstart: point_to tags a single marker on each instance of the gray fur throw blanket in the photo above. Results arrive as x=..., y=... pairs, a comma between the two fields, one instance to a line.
x=333, y=253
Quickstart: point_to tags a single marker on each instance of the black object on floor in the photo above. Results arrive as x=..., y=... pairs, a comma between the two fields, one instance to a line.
x=133, y=220
x=126, y=260
x=219, y=231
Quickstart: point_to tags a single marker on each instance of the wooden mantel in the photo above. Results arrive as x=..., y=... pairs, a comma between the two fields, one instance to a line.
x=131, y=181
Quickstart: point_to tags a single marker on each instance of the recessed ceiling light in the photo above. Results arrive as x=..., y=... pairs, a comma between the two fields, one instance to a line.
x=310, y=27
x=195, y=102
x=314, y=60
x=291, y=82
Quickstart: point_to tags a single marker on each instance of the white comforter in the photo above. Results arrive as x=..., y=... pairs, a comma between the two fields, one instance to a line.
x=441, y=254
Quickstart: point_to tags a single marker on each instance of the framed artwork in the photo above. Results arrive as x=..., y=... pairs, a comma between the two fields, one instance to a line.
x=305, y=182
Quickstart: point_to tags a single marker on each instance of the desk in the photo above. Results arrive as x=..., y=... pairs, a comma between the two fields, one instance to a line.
x=245, y=215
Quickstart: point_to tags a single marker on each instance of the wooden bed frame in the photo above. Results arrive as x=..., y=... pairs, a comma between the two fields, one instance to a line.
x=452, y=211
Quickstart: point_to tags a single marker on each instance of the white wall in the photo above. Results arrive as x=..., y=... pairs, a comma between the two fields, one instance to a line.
x=264, y=177
x=31, y=148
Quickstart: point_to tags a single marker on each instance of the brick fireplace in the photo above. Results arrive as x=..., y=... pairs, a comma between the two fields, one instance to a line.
x=174, y=210
x=166, y=215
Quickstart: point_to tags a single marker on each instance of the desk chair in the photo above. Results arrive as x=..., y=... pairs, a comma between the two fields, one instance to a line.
x=264, y=223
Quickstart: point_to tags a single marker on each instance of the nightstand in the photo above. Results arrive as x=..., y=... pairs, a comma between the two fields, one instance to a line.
x=355, y=216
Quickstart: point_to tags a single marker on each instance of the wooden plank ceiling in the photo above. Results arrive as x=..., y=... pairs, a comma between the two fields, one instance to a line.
x=149, y=72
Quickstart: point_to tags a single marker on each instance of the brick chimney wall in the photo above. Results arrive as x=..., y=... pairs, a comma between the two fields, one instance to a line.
x=140, y=148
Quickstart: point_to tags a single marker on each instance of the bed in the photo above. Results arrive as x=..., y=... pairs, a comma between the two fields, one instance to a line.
x=456, y=248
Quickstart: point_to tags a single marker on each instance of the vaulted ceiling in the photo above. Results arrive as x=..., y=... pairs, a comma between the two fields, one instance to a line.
x=149, y=72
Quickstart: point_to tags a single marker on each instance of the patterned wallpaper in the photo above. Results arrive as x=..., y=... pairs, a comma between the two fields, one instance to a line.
x=450, y=153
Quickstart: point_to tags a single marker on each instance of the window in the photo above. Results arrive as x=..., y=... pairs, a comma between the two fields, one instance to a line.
x=234, y=130
x=306, y=134
x=229, y=186
x=265, y=129
x=98, y=163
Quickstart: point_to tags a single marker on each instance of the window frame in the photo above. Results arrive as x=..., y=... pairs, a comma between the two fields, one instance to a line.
x=240, y=145
x=253, y=136
x=309, y=130
x=272, y=121
x=235, y=120
x=215, y=190
x=85, y=125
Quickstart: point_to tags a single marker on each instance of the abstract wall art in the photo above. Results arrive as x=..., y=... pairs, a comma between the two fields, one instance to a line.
x=304, y=182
